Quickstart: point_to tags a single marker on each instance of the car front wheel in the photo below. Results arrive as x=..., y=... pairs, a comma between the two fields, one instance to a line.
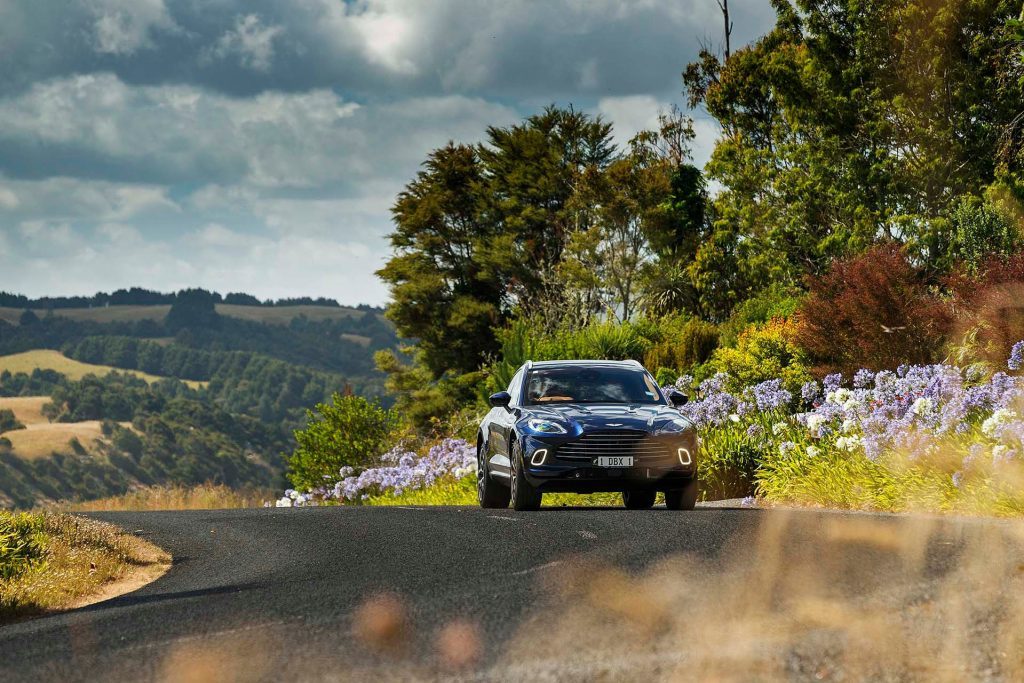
x=490, y=493
x=684, y=498
x=524, y=495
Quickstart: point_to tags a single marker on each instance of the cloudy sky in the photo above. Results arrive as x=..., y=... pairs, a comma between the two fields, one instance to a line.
x=256, y=145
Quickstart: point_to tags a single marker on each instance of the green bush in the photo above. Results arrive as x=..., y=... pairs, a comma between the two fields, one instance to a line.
x=127, y=441
x=682, y=343
x=607, y=340
x=765, y=352
x=978, y=231
x=8, y=422
x=777, y=301
x=22, y=543
x=348, y=431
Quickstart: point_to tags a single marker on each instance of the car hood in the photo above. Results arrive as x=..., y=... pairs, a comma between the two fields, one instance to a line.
x=598, y=417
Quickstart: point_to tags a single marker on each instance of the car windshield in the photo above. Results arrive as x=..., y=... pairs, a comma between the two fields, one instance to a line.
x=590, y=385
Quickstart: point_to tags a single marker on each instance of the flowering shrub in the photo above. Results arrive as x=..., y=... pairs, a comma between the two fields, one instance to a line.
x=400, y=470
x=765, y=352
x=926, y=434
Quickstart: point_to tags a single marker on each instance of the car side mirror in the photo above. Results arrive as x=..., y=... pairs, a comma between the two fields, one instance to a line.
x=500, y=399
x=677, y=398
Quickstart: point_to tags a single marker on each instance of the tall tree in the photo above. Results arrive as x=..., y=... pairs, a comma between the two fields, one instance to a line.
x=481, y=230
x=848, y=123
x=442, y=292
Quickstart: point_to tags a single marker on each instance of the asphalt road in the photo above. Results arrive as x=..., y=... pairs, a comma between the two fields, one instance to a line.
x=376, y=593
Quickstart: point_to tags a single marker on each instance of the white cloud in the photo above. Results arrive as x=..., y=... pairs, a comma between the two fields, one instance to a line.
x=120, y=233
x=122, y=27
x=42, y=236
x=631, y=114
x=8, y=198
x=707, y=131
x=273, y=140
x=71, y=199
x=385, y=36
x=250, y=42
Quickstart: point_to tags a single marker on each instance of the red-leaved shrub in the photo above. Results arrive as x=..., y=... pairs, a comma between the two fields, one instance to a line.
x=874, y=310
x=992, y=304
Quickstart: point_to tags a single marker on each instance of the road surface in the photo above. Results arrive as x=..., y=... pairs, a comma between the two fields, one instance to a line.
x=352, y=593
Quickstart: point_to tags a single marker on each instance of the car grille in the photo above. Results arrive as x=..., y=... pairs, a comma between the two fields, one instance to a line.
x=645, y=449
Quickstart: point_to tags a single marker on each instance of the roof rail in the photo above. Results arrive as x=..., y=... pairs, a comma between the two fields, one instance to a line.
x=528, y=364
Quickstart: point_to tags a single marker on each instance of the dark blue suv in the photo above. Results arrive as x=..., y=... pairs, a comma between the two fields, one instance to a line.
x=584, y=427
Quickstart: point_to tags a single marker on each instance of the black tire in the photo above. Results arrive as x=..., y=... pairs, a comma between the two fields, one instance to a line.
x=638, y=499
x=489, y=493
x=524, y=496
x=684, y=498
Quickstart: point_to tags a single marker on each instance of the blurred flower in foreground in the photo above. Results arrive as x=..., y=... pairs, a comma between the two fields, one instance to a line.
x=381, y=622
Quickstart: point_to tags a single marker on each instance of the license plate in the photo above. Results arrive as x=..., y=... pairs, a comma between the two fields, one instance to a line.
x=614, y=461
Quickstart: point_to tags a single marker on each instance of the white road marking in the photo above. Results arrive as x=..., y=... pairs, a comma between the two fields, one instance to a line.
x=589, y=535
x=509, y=519
x=537, y=568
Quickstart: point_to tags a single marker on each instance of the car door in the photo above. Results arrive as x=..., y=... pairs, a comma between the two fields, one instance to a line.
x=502, y=426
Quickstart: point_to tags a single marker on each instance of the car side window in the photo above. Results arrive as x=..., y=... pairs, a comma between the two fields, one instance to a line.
x=515, y=388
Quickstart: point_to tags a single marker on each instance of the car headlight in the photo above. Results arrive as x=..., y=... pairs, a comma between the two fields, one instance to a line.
x=541, y=426
x=674, y=427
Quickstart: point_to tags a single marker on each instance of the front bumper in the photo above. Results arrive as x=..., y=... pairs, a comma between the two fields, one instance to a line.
x=572, y=469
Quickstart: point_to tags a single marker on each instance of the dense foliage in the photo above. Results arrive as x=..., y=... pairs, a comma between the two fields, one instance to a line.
x=22, y=544
x=347, y=432
x=848, y=123
x=175, y=436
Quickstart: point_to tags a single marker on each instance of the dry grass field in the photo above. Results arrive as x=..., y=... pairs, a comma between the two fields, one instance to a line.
x=357, y=338
x=42, y=439
x=282, y=315
x=177, y=497
x=106, y=314
x=47, y=359
x=27, y=409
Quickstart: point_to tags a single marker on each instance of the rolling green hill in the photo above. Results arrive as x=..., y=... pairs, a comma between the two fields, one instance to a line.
x=46, y=359
x=183, y=357
x=277, y=315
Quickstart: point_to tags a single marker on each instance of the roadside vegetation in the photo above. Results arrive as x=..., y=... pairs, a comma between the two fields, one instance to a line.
x=177, y=497
x=841, y=309
x=50, y=561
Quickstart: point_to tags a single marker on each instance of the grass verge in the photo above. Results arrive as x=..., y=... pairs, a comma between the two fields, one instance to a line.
x=51, y=561
x=176, y=497
x=451, y=491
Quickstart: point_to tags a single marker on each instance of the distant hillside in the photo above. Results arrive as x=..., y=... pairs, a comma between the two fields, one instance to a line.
x=102, y=436
x=276, y=315
x=324, y=337
x=137, y=296
x=72, y=369
x=254, y=365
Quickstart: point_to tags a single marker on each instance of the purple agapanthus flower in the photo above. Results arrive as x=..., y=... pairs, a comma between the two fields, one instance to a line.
x=863, y=378
x=810, y=391
x=770, y=395
x=1016, y=360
